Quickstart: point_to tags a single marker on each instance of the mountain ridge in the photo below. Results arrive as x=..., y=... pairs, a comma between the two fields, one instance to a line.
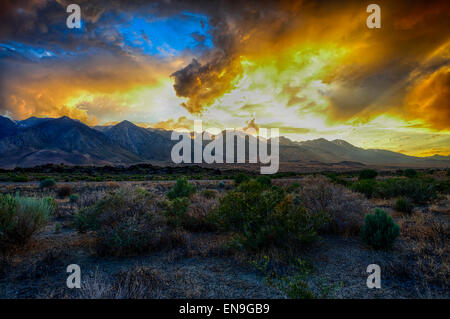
x=63, y=140
x=37, y=141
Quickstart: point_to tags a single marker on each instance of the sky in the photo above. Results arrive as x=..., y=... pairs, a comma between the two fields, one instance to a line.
x=313, y=69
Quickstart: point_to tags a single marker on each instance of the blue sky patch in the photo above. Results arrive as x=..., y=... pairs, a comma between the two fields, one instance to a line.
x=167, y=36
x=17, y=49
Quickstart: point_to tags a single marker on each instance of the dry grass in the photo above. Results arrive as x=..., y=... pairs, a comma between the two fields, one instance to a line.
x=136, y=283
x=127, y=202
x=141, y=282
x=113, y=185
x=346, y=208
x=427, y=236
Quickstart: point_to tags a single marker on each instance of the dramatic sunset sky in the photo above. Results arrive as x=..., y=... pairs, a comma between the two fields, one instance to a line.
x=311, y=68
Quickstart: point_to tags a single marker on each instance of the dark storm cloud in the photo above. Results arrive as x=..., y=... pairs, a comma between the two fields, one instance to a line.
x=382, y=66
x=92, y=60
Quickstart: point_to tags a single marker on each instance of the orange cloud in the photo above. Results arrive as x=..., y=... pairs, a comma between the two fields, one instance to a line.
x=429, y=100
x=86, y=89
x=172, y=124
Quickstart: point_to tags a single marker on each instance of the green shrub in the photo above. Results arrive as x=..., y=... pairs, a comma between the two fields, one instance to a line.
x=337, y=179
x=74, y=198
x=367, y=174
x=379, y=230
x=241, y=178
x=48, y=182
x=52, y=203
x=262, y=217
x=404, y=205
x=419, y=190
x=240, y=205
x=176, y=211
x=264, y=179
x=8, y=211
x=252, y=186
x=410, y=173
x=182, y=188
x=193, y=216
x=21, y=217
x=366, y=187
x=221, y=185
x=86, y=219
x=443, y=186
x=19, y=178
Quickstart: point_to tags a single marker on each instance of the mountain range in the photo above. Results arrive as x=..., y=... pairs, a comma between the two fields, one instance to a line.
x=38, y=141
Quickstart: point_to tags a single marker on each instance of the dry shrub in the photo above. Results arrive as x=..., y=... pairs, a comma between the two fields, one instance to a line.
x=136, y=283
x=90, y=198
x=198, y=213
x=130, y=238
x=126, y=222
x=427, y=238
x=178, y=237
x=97, y=286
x=126, y=202
x=64, y=191
x=209, y=193
x=113, y=185
x=211, y=244
x=346, y=208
